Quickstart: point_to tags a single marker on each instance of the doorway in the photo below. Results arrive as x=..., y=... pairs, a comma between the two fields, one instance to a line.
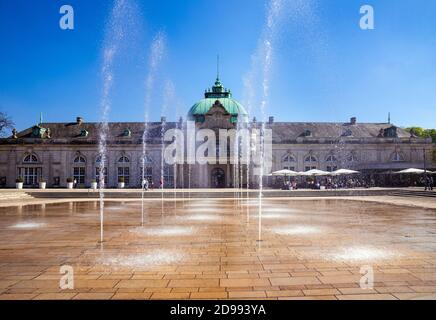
x=218, y=178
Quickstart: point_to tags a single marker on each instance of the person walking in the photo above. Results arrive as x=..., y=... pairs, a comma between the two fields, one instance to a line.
x=430, y=185
x=426, y=183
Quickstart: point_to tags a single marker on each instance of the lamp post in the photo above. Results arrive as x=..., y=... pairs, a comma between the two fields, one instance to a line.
x=425, y=163
x=425, y=171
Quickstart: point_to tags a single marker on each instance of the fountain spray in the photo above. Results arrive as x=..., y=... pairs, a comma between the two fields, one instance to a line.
x=156, y=54
x=119, y=22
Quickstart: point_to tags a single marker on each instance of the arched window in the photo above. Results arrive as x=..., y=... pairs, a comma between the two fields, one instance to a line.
x=79, y=159
x=310, y=158
x=397, y=157
x=310, y=162
x=331, y=158
x=331, y=162
x=288, y=162
x=288, y=158
x=79, y=169
x=29, y=172
x=123, y=159
x=124, y=169
x=30, y=158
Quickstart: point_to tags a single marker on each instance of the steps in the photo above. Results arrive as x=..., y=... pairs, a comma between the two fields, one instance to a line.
x=413, y=193
x=14, y=195
x=156, y=194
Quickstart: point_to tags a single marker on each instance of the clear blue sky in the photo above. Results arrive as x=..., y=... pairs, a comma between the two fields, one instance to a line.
x=324, y=68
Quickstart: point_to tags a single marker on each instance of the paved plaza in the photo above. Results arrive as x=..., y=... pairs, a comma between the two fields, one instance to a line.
x=219, y=249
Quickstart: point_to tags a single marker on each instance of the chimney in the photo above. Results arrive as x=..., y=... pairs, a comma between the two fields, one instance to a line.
x=79, y=120
x=353, y=120
x=163, y=119
x=271, y=120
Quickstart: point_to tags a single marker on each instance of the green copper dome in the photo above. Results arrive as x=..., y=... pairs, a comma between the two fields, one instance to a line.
x=224, y=96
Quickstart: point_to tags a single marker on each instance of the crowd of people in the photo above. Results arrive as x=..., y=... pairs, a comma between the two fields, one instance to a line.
x=360, y=181
x=428, y=183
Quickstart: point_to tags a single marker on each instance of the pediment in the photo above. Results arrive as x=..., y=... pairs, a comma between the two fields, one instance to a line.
x=217, y=109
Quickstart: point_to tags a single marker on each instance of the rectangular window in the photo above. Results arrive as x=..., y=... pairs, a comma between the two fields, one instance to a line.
x=148, y=175
x=125, y=173
x=168, y=177
x=30, y=175
x=79, y=175
x=97, y=175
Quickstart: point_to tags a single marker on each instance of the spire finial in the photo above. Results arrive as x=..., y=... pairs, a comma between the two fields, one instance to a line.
x=40, y=118
x=217, y=66
x=389, y=117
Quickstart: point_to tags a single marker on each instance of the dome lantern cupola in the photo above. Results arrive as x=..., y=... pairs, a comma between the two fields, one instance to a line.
x=222, y=95
x=217, y=91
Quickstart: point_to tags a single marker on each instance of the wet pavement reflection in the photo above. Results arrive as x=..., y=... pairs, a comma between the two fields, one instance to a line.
x=209, y=249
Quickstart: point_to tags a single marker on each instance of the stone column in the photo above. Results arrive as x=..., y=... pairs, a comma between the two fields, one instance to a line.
x=228, y=175
x=45, y=164
x=13, y=164
x=89, y=171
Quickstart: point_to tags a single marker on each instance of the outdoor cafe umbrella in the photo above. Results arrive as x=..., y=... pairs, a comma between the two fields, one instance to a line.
x=285, y=173
x=314, y=172
x=412, y=171
x=343, y=171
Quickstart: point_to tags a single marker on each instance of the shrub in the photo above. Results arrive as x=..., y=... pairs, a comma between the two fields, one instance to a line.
x=70, y=179
x=19, y=179
x=121, y=179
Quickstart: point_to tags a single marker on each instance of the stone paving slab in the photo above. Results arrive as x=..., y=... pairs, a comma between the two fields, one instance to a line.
x=210, y=249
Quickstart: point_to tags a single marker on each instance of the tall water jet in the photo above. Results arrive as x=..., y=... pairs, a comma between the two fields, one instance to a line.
x=164, y=170
x=169, y=99
x=156, y=55
x=162, y=163
x=263, y=57
x=144, y=162
x=118, y=24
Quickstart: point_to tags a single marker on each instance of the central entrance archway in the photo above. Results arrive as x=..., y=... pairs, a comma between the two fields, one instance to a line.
x=218, y=178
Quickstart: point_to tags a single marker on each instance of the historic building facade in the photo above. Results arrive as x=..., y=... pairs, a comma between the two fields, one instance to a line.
x=56, y=151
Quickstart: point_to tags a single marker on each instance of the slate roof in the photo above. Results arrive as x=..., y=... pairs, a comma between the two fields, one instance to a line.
x=283, y=132
x=289, y=131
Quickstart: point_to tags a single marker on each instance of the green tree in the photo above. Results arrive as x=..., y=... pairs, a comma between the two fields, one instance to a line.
x=431, y=133
x=417, y=131
x=423, y=133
